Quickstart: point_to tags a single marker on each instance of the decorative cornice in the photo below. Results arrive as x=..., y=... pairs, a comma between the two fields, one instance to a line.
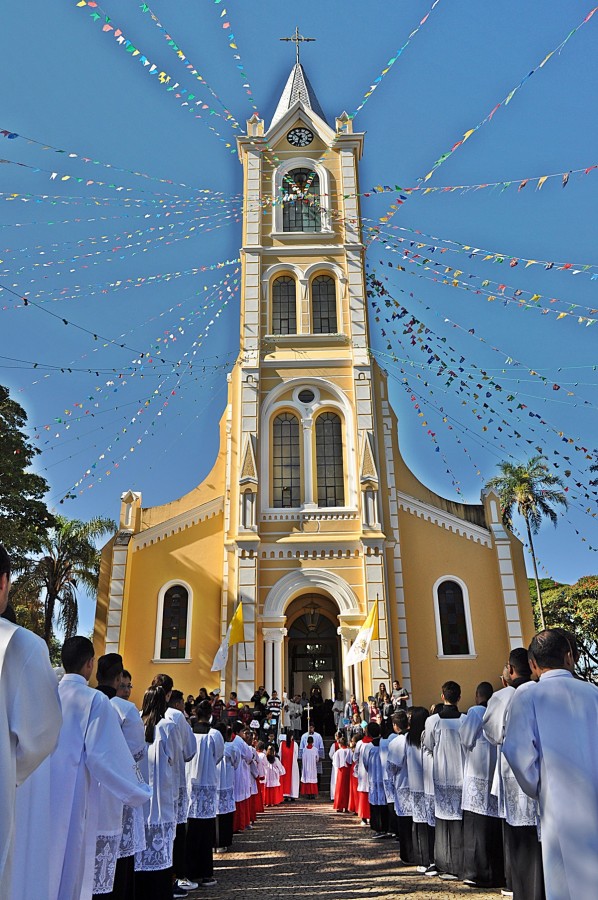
x=178, y=523
x=444, y=520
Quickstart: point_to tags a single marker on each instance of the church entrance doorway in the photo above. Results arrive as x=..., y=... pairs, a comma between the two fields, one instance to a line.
x=313, y=647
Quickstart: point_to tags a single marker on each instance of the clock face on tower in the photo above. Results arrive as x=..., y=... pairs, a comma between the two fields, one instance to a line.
x=300, y=137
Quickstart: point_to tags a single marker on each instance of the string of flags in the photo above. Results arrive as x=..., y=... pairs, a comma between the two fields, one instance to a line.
x=187, y=100
x=226, y=27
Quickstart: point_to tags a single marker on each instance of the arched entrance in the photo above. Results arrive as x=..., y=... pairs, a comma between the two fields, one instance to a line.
x=313, y=657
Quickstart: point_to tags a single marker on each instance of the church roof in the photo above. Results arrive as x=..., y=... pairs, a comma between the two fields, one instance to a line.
x=297, y=88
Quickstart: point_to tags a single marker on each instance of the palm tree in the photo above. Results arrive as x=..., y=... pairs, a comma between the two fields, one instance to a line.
x=69, y=560
x=532, y=490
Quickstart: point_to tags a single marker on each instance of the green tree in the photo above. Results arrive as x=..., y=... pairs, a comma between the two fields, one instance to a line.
x=70, y=560
x=24, y=517
x=575, y=607
x=532, y=490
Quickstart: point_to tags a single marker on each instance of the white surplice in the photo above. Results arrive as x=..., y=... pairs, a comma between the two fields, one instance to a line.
x=160, y=811
x=274, y=772
x=551, y=743
x=309, y=766
x=184, y=752
x=396, y=771
x=318, y=744
x=480, y=765
x=359, y=771
x=441, y=739
x=133, y=824
x=203, y=779
x=91, y=750
x=389, y=784
x=331, y=752
x=414, y=766
x=513, y=804
x=242, y=773
x=370, y=760
x=30, y=721
x=230, y=761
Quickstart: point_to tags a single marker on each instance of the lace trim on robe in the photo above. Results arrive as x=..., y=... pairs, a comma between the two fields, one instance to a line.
x=402, y=801
x=447, y=799
x=419, y=809
x=133, y=835
x=182, y=805
x=105, y=863
x=519, y=808
x=203, y=802
x=158, y=850
x=477, y=797
x=226, y=801
x=430, y=809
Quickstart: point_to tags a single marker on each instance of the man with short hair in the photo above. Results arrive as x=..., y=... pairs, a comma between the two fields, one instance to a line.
x=30, y=722
x=522, y=849
x=126, y=685
x=91, y=751
x=550, y=743
x=399, y=696
x=482, y=831
x=293, y=712
x=441, y=739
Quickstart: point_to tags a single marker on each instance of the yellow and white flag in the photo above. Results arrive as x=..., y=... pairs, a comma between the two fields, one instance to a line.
x=367, y=633
x=235, y=634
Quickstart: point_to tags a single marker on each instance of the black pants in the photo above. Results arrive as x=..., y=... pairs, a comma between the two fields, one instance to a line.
x=523, y=862
x=405, y=838
x=393, y=820
x=423, y=844
x=154, y=885
x=379, y=818
x=448, y=846
x=482, y=850
x=178, y=851
x=199, y=848
x=224, y=830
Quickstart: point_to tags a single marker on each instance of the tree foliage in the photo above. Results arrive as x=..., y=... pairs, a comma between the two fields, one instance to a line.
x=24, y=517
x=574, y=607
x=69, y=561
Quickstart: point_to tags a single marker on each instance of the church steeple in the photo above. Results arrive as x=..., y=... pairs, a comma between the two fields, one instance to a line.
x=297, y=88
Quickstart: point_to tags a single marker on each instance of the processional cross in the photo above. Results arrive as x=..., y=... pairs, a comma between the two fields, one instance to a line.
x=297, y=39
x=308, y=708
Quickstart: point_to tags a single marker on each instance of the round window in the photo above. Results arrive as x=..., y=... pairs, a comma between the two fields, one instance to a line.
x=306, y=396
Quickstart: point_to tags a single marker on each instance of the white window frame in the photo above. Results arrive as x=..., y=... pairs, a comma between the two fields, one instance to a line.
x=301, y=162
x=467, y=612
x=159, y=621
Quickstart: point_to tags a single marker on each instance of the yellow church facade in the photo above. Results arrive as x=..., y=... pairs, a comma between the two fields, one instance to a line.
x=310, y=515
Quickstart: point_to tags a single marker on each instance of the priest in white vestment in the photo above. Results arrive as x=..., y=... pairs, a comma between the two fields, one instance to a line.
x=551, y=743
x=30, y=720
x=318, y=744
x=91, y=750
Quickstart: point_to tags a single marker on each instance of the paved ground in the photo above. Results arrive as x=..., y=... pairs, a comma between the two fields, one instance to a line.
x=306, y=848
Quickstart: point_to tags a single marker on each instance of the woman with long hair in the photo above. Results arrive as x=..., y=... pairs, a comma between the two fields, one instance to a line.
x=274, y=772
x=288, y=757
x=423, y=831
x=341, y=763
x=153, y=866
x=226, y=790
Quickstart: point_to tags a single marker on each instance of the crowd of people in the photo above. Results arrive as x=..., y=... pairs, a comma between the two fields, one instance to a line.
x=101, y=799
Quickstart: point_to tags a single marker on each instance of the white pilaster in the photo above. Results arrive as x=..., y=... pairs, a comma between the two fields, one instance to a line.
x=308, y=473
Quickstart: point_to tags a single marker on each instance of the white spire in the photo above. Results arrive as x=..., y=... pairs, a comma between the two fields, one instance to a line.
x=297, y=88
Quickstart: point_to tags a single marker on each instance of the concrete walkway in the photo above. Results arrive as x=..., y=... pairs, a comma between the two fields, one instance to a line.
x=305, y=848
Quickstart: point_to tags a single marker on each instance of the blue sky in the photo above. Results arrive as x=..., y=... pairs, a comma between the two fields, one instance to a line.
x=107, y=259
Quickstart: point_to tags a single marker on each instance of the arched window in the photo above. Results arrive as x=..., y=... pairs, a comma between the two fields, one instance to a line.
x=329, y=460
x=175, y=612
x=284, y=306
x=286, y=462
x=452, y=620
x=323, y=305
x=301, y=201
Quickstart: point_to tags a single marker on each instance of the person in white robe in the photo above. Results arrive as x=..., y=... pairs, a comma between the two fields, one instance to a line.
x=289, y=755
x=293, y=712
x=91, y=751
x=317, y=742
x=371, y=762
x=309, y=769
x=133, y=825
x=363, y=787
x=27, y=683
x=441, y=739
x=185, y=751
x=108, y=861
x=153, y=865
x=338, y=708
x=242, y=780
x=396, y=775
x=551, y=742
x=230, y=761
x=202, y=784
x=422, y=834
x=482, y=831
x=333, y=748
x=524, y=874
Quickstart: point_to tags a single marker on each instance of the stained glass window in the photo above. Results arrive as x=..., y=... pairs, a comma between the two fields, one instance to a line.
x=301, y=201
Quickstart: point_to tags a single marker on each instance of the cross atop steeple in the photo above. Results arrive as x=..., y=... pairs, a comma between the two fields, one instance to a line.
x=297, y=39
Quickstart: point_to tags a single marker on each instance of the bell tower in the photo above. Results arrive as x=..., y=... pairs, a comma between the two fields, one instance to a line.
x=302, y=492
